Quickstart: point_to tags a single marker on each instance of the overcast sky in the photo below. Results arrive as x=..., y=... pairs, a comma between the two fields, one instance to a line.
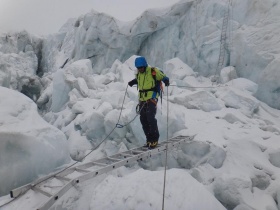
x=47, y=16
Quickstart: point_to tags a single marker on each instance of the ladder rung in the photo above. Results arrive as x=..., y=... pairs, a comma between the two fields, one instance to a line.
x=114, y=159
x=125, y=155
x=42, y=191
x=100, y=164
x=137, y=151
x=81, y=170
x=85, y=166
x=62, y=178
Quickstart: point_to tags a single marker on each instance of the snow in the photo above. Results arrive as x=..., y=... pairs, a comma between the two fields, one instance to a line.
x=145, y=187
x=233, y=161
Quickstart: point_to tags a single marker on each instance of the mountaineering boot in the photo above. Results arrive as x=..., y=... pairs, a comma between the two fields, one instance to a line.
x=153, y=144
x=147, y=145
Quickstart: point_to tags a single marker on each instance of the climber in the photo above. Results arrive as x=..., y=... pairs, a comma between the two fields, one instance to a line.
x=148, y=80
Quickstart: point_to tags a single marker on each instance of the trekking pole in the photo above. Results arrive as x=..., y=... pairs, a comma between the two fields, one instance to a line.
x=163, y=196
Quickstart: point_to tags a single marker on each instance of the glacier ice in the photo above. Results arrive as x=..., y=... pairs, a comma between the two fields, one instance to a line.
x=189, y=31
x=83, y=71
x=29, y=147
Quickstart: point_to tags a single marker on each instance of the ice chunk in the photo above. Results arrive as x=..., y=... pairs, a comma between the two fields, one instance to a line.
x=133, y=191
x=91, y=124
x=239, y=100
x=244, y=84
x=60, y=91
x=202, y=100
x=110, y=123
x=227, y=74
x=81, y=68
x=274, y=158
x=228, y=189
x=176, y=69
x=29, y=146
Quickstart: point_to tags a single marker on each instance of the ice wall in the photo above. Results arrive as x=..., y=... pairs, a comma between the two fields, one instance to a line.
x=189, y=30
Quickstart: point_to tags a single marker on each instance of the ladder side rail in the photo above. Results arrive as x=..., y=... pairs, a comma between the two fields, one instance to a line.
x=223, y=40
x=106, y=169
x=18, y=191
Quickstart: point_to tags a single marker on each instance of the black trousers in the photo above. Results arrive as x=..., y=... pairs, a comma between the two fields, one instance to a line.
x=148, y=120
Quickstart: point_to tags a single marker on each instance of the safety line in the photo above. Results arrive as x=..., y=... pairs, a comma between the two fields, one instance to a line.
x=219, y=86
x=163, y=195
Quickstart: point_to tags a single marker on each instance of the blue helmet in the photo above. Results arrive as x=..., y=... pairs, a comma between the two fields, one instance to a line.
x=140, y=62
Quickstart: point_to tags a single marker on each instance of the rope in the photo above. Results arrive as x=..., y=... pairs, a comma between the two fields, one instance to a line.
x=219, y=86
x=137, y=113
x=122, y=103
x=163, y=195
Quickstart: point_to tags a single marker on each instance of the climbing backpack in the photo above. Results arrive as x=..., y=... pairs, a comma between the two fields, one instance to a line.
x=158, y=84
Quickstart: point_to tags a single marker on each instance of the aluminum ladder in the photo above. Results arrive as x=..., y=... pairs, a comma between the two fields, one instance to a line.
x=70, y=177
x=223, y=42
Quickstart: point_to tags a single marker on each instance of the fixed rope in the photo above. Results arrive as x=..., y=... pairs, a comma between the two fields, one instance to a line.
x=165, y=166
x=185, y=86
x=137, y=113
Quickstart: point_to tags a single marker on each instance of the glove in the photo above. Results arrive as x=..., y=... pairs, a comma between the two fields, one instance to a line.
x=166, y=82
x=132, y=82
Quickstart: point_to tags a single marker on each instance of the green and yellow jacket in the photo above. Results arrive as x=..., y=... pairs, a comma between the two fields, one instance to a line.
x=147, y=83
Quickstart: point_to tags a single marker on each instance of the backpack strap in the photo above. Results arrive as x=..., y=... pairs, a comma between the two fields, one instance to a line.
x=154, y=73
x=158, y=89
